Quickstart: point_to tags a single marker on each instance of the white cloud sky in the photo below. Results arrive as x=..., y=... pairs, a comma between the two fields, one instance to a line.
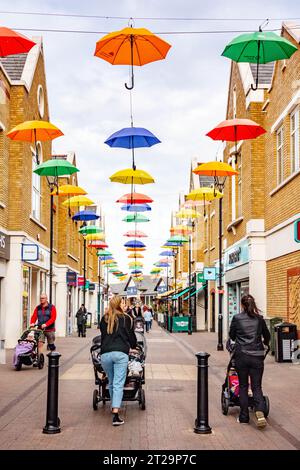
x=178, y=99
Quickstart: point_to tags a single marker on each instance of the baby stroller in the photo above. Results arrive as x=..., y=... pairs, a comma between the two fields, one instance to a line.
x=230, y=388
x=133, y=387
x=26, y=352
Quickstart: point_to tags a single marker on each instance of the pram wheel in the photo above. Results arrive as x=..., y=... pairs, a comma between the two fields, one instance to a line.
x=95, y=400
x=267, y=406
x=142, y=399
x=18, y=366
x=224, y=403
x=41, y=361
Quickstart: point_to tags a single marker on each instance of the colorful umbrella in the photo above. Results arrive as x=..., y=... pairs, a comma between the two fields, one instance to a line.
x=95, y=236
x=97, y=244
x=135, y=234
x=136, y=271
x=90, y=229
x=136, y=208
x=135, y=198
x=135, y=255
x=236, y=129
x=85, y=216
x=187, y=214
x=12, y=43
x=260, y=47
x=204, y=194
x=162, y=265
x=136, y=218
x=134, y=244
x=180, y=230
x=104, y=253
x=135, y=249
x=131, y=46
x=166, y=253
x=69, y=190
x=55, y=168
x=78, y=201
x=178, y=239
x=131, y=138
x=131, y=176
x=215, y=169
x=34, y=131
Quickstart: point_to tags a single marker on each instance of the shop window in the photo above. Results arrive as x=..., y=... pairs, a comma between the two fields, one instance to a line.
x=294, y=123
x=26, y=297
x=280, y=155
x=36, y=186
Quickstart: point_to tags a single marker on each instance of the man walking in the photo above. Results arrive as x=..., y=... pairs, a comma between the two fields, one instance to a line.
x=44, y=317
x=81, y=316
x=147, y=318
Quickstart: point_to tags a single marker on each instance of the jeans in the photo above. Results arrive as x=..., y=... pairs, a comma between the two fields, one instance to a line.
x=148, y=326
x=115, y=366
x=253, y=367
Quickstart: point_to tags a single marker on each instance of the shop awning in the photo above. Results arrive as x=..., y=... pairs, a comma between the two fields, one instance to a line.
x=165, y=294
x=194, y=293
x=179, y=294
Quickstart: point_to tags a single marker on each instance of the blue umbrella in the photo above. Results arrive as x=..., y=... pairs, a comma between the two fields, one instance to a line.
x=134, y=244
x=136, y=207
x=173, y=244
x=131, y=138
x=166, y=253
x=85, y=215
x=162, y=265
x=136, y=271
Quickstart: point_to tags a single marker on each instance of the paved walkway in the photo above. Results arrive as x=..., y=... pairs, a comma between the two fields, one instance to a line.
x=167, y=422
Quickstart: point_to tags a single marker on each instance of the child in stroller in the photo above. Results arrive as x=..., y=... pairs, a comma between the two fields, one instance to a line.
x=26, y=351
x=230, y=388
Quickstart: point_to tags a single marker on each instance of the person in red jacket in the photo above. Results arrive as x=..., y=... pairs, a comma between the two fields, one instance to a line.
x=44, y=316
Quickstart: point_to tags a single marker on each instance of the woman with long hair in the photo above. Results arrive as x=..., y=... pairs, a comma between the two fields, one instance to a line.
x=249, y=331
x=117, y=339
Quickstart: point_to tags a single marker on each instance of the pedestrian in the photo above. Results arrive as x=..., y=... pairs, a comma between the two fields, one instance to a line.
x=117, y=340
x=136, y=310
x=44, y=316
x=81, y=316
x=249, y=331
x=147, y=318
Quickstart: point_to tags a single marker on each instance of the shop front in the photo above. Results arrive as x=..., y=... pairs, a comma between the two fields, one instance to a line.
x=4, y=258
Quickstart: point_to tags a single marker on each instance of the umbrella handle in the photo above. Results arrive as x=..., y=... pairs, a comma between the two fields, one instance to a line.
x=132, y=83
x=131, y=57
x=257, y=68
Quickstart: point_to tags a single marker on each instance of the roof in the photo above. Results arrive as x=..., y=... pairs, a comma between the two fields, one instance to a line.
x=118, y=288
x=14, y=65
x=265, y=73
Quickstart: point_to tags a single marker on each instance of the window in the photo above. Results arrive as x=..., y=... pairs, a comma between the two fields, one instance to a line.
x=280, y=156
x=36, y=186
x=234, y=102
x=295, y=140
x=41, y=101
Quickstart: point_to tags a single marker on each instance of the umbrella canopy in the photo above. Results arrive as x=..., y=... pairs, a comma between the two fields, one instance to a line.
x=135, y=255
x=131, y=46
x=78, y=201
x=187, y=214
x=162, y=265
x=131, y=176
x=204, y=194
x=85, y=216
x=90, y=229
x=259, y=47
x=136, y=249
x=68, y=190
x=180, y=230
x=178, y=239
x=135, y=198
x=104, y=253
x=135, y=234
x=132, y=137
x=136, y=207
x=236, y=129
x=55, y=168
x=95, y=236
x=134, y=244
x=136, y=217
x=97, y=244
x=166, y=253
x=135, y=265
x=12, y=42
x=172, y=244
x=136, y=271
x=215, y=169
x=32, y=131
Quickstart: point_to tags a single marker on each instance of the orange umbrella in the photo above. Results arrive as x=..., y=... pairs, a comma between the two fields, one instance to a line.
x=135, y=255
x=68, y=190
x=135, y=249
x=131, y=46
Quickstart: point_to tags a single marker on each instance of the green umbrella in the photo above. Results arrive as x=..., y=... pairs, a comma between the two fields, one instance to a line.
x=136, y=217
x=104, y=253
x=90, y=229
x=178, y=239
x=55, y=167
x=260, y=47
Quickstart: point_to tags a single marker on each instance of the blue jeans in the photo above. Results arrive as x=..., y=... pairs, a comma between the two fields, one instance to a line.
x=115, y=366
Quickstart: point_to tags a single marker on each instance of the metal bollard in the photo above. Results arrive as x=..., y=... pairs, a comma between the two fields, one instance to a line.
x=190, y=329
x=201, y=422
x=52, y=420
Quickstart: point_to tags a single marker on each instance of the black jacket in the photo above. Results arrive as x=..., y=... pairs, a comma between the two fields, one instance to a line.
x=81, y=316
x=122, y=339
x=247, y=332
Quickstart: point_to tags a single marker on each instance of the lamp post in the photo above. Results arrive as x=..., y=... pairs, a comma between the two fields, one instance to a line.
x=99, y=294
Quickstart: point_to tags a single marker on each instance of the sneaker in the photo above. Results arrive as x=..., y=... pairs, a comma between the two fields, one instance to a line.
x=117, y=421
x=261, y=421
x=242, y=422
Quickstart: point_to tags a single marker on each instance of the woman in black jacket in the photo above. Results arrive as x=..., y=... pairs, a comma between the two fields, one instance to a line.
x=117, y=339
x=249, y=331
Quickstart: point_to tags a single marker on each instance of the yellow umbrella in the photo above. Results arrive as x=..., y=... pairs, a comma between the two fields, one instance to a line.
x=78, y=201
x=187, y=214
x=215, y=169
x=204, y=194
x=95, y=236
x=131, y=176
x=135, y=255
x=68, y=190
x=33, y=131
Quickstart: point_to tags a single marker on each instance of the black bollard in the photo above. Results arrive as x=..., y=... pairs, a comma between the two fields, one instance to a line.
x=52, y=420
x=190, y=329
x=201, y=422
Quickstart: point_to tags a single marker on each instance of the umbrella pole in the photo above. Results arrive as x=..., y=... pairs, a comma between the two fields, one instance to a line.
x=36, y=150
x=220, y=346
x=51, y=248
x=257, y=68
x=131, y=57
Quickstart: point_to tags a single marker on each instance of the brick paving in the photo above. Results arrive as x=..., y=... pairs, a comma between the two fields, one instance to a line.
x=166, y=424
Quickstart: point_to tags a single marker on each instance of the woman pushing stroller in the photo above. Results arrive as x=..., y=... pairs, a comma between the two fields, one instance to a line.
x=117, y=340
x=249, y=331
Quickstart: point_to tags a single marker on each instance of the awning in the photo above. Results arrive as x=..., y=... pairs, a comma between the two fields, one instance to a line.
x=165, y=294
x=179, y=294
x=194, y=293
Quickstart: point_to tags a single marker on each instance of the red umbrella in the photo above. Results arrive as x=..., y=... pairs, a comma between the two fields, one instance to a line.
x=236, y=129
x=135, y=234
x=13, y=43
x=135, y=198
x=97, y=244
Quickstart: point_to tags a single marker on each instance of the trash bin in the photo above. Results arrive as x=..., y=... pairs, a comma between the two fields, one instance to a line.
x=285, y=335
x=271, y=322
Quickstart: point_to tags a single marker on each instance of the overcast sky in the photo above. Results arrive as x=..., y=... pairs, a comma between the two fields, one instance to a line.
x=179, y=99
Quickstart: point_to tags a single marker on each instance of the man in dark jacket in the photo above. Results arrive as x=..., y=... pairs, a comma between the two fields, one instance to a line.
x=81, y=316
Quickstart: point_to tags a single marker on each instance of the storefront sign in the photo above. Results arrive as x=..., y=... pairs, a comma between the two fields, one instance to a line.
x=237, y=255
x=92, y=286
x=30, y=252
x=131, y=290
x=161, y=289
x=180, y=324
x=200, y=277
x=209, y=274
x=71, y=278
x=4, y=246
x=80, y=281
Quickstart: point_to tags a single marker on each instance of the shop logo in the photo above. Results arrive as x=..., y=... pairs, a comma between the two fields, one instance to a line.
x=296, y=351
x=182, y=323
x=235, y=256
